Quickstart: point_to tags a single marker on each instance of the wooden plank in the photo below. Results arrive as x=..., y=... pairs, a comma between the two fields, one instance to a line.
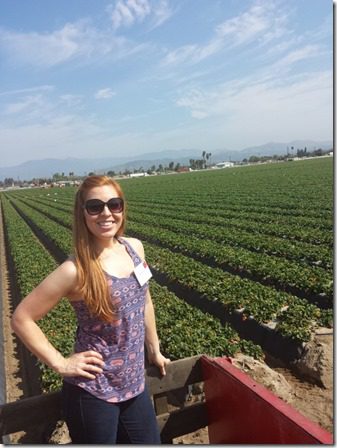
x=183, y=421
x=160, y=403
x=42, y=410
x=179, y=373
x=23, y=414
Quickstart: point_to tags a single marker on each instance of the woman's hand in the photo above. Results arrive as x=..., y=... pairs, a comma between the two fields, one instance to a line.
x=160, y=361
x=85, y=364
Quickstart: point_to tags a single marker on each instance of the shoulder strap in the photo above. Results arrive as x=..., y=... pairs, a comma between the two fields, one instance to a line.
x=133, y=254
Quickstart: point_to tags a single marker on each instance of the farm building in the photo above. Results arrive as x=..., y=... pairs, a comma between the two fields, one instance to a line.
x=224, y=165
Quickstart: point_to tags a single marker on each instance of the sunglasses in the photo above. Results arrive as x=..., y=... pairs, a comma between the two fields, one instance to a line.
x=96, y=206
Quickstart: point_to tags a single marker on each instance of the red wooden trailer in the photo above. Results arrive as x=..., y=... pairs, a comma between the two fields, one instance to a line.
x=242, y=411
x=235, y=409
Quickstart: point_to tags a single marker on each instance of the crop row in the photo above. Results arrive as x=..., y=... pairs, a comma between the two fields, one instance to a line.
x=244, y=205
x=307, y=230
x=263, y=303
x=32, y=263
x=303, y=253
x=281, y=274
x=299, y=251
x=183, y=329
x=311, y=281
x=186, y=331
x=221, y=214
x=258, y=193
x=303, y=189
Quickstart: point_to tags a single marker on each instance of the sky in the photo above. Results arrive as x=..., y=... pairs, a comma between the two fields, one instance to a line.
x=85, y=78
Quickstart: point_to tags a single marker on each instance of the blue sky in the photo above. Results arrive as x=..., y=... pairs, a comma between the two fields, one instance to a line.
x=85, y=78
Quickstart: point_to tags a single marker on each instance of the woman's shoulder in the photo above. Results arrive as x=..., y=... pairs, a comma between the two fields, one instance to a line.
x=68, y=267
x=136, y=245
x=68, y=274
x=61, y=281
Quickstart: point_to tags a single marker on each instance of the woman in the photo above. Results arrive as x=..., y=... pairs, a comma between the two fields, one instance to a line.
x=104, y=394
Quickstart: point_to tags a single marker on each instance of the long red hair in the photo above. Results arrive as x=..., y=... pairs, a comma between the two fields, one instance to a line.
x=91, y=278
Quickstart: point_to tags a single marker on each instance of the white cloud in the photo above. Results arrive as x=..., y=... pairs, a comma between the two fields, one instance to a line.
x=236, y=114
x=75, y=41
x=81, y=41
x=140, y=8
x=161, y=13
x=246, y=26
x=195, y=101
x=181, y=54
x=38, y=108
x=262, y=21
x=62, y=136
x=47, y=49
x=104, y=94
x=245, y=113
x=25, y=105
x=127, y=12
x=309, y=51
x=258, y=112
x=27, y=90
x=70, y=100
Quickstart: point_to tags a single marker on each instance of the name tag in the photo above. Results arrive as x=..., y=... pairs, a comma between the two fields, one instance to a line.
x=142, y=273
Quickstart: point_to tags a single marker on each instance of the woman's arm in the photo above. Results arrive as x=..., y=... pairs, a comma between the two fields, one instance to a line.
x=37, y=304
x=151, y=337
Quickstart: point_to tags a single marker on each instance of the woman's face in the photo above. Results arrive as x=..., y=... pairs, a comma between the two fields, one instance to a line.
x=105, y=225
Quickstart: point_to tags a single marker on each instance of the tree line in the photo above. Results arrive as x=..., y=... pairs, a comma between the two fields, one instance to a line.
x=194, y=164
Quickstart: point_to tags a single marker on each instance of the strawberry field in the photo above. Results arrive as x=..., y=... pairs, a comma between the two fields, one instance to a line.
x=242, y=258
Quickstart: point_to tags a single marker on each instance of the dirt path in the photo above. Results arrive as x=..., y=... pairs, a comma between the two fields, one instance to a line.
x=11, y=363
x=313, y=401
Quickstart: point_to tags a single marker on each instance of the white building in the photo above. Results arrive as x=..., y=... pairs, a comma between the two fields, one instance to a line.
x=224, y=164
x=138, y=174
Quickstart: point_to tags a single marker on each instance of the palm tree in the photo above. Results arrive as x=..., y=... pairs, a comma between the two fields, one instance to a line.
x=208, y=155
x=204, y=159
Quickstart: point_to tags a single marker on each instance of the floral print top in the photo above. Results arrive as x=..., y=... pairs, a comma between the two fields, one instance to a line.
x=121, y=343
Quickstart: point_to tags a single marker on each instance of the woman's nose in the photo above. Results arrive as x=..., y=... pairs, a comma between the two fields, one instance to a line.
x=106, y=210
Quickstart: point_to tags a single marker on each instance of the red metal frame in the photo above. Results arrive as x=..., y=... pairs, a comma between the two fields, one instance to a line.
x=242, y=411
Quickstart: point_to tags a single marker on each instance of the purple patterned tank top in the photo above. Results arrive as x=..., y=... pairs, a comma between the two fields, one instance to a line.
x=121, y=343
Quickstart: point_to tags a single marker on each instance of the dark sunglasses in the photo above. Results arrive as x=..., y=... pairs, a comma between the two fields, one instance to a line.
x=96, y=206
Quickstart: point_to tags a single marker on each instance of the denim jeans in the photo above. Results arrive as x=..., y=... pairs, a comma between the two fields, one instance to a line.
x=91, y=420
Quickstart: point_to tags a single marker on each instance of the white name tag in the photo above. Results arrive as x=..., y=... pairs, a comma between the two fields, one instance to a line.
x=142, y=273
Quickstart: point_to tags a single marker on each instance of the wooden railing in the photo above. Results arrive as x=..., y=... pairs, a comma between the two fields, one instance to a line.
x=38, y=416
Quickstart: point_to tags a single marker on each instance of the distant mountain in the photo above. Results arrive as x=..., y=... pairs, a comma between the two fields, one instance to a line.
x=47, y=167
x=270, y=149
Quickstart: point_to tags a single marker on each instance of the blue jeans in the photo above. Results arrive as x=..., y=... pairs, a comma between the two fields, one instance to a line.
x=91, y=420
